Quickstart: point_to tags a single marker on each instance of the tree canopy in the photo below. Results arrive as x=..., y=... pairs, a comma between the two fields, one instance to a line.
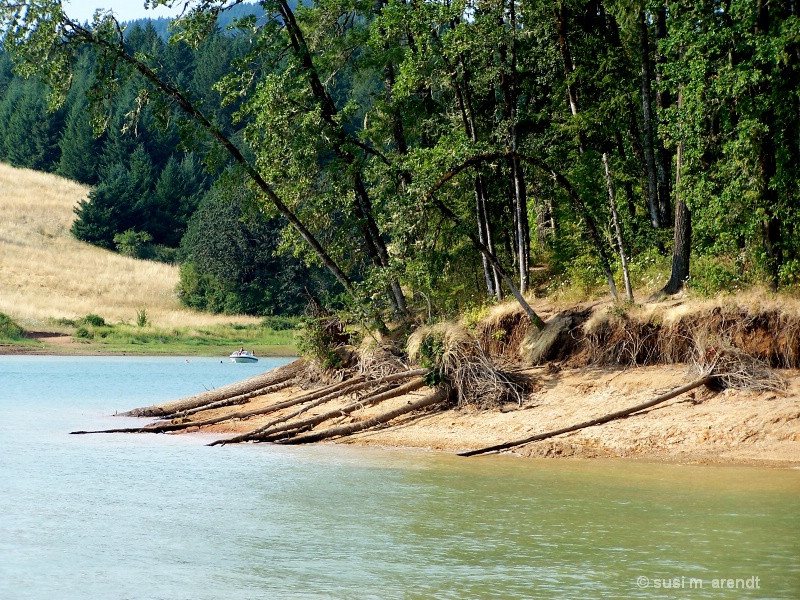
x=442, y=153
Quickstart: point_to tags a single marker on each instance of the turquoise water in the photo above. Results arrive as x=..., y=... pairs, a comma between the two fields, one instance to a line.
x=165, y=517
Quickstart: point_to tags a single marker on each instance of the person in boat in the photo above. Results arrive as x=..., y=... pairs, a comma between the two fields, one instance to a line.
x=241, y=350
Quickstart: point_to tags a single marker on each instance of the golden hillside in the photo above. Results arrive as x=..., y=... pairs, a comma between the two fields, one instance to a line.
x=45, y=273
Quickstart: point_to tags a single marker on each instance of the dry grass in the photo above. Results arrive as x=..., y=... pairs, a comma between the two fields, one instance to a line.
x=47, y=274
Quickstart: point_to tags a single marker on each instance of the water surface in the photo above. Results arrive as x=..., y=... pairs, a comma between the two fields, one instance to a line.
x=159, y=516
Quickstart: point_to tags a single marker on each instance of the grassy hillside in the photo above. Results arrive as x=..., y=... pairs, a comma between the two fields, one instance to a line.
x=45, y=274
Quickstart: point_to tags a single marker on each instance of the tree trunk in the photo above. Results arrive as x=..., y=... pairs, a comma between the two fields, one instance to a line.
x=580, y=209
x=681, y=247
x=273, y=377
x=771, y=227
x=436, y=397
x=289, y=428
x=629, y=197
x=599, y=421
x=480, y=216
x=618, y=230
x=647, y=113
x=362, y=205
x=508, y=85
x=569, y=68
x=240, y=399
x=521, y=208
x=663, y=158
x=317, y=400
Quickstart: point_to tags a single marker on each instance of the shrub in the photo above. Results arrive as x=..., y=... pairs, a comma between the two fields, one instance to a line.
x=83, y=333
x=93, y=320
x=9, y=329
x=319, y=338
x=713, y=275
x=133, y=243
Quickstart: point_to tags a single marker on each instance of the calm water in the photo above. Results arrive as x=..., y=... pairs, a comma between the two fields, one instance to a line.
x=164, y=517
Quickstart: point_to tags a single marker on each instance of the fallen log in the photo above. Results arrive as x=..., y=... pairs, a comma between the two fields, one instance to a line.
x=327, y=398
x=168, y=427
x=289, y=428
x=438, y=396
x=269, y=378
x=234, y=400
x=599, y=421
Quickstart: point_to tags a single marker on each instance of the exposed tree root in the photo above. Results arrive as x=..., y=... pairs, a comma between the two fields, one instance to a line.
x=599, y=421
x=438, y=396
x=267, y=379
x=460, y=360
x=282, y=430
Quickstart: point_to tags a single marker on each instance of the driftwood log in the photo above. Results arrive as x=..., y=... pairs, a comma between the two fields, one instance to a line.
x=439, y=395
x=232, y=401
x=327, y=398
x=270, y=378
x=287, y=429
x=599, y=421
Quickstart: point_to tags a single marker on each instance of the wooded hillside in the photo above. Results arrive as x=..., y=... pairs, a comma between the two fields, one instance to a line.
x=432, y=156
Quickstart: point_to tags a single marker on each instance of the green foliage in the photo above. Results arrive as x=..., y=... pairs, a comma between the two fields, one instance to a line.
x=231, y=259
x=93, y=320
x=83, y=333
x=345, y=118
x=718, y=275
x=141, y=317
x=9, y=330
x=132, y=243
x=319, y=337
x=430, y=354
x=279, y=323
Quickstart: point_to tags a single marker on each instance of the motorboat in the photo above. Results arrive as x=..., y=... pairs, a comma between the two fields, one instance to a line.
x=243, y=356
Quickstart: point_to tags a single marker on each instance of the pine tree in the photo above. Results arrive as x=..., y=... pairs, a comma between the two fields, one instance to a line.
x=79, y=147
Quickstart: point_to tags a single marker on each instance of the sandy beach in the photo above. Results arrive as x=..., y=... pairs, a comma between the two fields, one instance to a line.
x=700, y=427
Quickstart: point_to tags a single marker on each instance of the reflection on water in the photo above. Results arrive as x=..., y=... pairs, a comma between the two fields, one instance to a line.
x=146, y=517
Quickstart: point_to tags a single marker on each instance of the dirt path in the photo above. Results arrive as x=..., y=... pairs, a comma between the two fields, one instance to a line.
x=52, y=343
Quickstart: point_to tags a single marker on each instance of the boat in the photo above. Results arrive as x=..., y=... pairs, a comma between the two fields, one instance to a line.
x=243, y=356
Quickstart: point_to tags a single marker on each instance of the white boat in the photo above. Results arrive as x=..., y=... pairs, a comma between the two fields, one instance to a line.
x=243, y=356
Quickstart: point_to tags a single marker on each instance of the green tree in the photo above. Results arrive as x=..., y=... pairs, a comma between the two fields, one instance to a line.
x=79, y=147
x=231, y=263
x=30, y=130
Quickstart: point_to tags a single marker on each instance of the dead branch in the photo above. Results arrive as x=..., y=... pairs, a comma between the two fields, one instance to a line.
x=599, y=421
x=438, y=396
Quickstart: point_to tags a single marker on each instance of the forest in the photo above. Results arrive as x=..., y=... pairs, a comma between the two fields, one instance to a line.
x=391, y=159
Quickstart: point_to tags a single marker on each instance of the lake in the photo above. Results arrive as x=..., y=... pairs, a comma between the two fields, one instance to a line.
x=147, y=517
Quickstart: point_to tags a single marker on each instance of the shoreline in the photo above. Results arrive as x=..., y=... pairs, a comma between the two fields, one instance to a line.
x=57, y=344
x=701, y=427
